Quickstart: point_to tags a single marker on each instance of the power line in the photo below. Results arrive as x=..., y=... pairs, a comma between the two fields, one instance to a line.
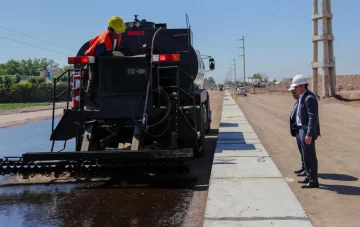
x=34, y=46
x=349, y=58
x=266, y=23
x=263, y=14
x=32, y=37
x=285, y=70
x=243, y=47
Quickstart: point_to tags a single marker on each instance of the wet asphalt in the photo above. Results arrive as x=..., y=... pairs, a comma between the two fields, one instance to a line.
x=164, y=201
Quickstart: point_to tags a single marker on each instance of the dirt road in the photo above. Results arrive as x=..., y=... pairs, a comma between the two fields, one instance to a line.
x=337, y=202
x=27, y=115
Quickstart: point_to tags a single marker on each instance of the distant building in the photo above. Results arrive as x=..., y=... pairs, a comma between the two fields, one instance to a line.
x=55, y=71
x=50, y=72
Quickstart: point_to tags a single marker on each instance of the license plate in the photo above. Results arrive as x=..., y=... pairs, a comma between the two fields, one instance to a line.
x=136, y=71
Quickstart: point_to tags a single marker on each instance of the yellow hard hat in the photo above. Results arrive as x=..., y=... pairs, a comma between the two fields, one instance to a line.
x=116, y=23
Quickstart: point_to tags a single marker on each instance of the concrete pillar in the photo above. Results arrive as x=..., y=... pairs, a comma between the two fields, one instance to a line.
x=332, y=71
x=315, y=70
x=328, y=61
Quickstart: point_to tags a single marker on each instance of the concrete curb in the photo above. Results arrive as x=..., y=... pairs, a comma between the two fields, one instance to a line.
x=246, y=187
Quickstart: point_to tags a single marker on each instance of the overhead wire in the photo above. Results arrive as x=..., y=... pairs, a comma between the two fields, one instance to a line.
x=266, y=8
x=348, y=58
x=262, y=25
x=21, y=33
x=275, y=12
x=13, y=40
x=264, y=13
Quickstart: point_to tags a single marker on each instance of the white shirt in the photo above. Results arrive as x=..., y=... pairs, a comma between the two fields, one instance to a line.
x=114, y=44
x=298, y=122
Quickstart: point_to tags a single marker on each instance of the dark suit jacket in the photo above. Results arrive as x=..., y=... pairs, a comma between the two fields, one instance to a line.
x=309, y=114
x=293, y=127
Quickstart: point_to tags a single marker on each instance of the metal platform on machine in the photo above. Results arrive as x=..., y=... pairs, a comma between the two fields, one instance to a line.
x=111, y=156
x=118, y=162
x=246, y=187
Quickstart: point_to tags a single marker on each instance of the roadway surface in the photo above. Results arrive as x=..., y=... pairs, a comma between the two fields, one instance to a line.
x=173, y=202
x=337, y=202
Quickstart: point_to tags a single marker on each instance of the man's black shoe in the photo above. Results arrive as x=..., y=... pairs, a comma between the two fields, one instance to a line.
x=302, y=174
x=311, y=185
x=299, y=170
x=305, y=181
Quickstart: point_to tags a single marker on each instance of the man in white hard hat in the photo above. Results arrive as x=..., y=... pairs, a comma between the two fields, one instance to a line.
x=295, y=131
x=307, y=121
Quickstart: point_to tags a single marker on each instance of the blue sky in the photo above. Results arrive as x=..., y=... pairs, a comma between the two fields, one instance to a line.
x=277, y=32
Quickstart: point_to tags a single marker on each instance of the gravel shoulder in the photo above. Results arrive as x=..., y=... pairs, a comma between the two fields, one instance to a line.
x=33, y=109
x=337, y=202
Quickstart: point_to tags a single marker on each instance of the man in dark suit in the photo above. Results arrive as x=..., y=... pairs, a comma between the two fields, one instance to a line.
x=295, y=131
x=307, y=121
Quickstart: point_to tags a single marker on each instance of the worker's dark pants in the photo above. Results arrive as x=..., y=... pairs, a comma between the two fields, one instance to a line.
x=300, y=150
x=309, y=156
x=91, y=88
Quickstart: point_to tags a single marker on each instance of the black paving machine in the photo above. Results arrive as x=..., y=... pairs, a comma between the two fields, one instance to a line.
x=152, y=107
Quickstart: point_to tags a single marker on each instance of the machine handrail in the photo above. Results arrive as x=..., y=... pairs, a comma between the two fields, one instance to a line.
x=55, y=98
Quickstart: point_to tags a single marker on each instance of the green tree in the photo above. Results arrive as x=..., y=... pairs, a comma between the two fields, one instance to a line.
x=258, y=76
x=29, y=67
x=3, y=70
x=210, y=82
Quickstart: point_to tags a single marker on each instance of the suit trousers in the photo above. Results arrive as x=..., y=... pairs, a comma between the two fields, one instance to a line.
x=309, y=157
x=300, y=150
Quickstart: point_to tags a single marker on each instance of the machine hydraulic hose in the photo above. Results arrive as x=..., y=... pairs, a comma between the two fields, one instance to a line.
x=145, y=126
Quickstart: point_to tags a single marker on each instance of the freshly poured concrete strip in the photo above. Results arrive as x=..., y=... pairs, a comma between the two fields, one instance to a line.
x=246, y=187
x=240, y=128
x=258, y=223
x=244, y=167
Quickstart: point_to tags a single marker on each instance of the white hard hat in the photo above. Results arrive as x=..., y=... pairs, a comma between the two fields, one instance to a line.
x=292, y=86
x=299, y=80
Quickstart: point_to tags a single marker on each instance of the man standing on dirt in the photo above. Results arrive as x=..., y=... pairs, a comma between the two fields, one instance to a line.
x=307, y=121
x=295, y=131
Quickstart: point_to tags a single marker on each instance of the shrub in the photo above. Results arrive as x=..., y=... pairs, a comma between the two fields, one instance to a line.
x=31, y=91
x=5, y=80
x=36, y=79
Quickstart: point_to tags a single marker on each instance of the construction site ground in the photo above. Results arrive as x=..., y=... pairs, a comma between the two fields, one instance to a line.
x=172, y=202
x=337, y=201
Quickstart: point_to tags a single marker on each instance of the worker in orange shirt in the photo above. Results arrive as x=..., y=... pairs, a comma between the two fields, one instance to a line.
x=103, y=45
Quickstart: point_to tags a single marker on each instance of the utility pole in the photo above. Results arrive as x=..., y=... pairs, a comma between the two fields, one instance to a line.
x=328, y=61
x=235, y=71
x=230, y=72
x=243, y=55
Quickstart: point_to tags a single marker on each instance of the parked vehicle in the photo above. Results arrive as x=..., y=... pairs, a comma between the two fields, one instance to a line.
x=241, y=91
